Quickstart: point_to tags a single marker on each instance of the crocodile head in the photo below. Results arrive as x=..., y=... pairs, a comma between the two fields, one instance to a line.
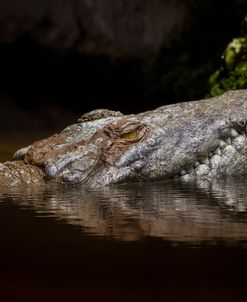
x=193, y=140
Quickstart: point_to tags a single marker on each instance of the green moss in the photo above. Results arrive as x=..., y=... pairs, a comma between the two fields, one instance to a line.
x=214, y=78
x=232, y=80
x=234, y=52
x=232, y=74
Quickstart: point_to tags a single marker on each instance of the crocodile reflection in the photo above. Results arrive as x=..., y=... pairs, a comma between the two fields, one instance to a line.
x=202, y=212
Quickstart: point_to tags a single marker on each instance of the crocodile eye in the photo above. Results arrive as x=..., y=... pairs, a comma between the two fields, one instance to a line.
x=131, y=135
x=126, y=131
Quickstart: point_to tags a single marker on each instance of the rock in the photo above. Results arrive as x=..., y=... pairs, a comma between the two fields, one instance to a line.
x=107, y=27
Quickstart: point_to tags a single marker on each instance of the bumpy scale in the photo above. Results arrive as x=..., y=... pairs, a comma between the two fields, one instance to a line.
x=192, y=140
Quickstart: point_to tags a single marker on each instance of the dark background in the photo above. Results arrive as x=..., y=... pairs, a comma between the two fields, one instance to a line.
x=60, y=59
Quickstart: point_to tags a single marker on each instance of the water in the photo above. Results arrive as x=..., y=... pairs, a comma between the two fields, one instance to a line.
x=160, y=241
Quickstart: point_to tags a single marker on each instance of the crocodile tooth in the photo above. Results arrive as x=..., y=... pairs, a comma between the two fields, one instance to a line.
x=206, y=161
x=217, y=151
x=223, y=144
x=190, y=171
x=196, y=164
x=188, y=177
x=210, y=154
x=233, y=132
x=228, y=141
x=183, y=172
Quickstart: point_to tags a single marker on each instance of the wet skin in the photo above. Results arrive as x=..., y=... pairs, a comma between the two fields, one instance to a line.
x=199, y=140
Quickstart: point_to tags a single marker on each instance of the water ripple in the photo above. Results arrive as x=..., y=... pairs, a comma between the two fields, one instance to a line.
x=178, y=213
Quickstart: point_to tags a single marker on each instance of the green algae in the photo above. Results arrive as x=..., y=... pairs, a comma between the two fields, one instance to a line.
x=232, y=73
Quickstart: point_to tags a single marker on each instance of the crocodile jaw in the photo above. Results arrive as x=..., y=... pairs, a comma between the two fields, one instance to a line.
x=194, y=140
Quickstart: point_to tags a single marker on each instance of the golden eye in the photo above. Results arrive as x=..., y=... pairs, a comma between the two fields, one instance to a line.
x=131, y=135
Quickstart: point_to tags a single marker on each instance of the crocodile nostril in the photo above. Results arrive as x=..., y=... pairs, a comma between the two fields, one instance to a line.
x=51, y=170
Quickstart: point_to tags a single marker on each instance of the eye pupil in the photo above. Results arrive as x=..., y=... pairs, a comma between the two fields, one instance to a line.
x=131, y=135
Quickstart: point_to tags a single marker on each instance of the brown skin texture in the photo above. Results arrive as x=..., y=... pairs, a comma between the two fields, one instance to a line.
x=199, y=140
x=112, y=145
x=118, y=143
x=43, y=149
x=19, y=172
x=114, y=140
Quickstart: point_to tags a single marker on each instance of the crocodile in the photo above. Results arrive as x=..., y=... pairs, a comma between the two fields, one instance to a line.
x=189, y=141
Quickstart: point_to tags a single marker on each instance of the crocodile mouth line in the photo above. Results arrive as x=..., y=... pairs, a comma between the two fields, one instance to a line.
x=216, y=160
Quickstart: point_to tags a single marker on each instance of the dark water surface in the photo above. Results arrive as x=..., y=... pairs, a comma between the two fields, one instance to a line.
x=139, y=242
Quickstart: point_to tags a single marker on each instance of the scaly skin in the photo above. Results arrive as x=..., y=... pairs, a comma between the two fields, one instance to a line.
x=200, y=140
